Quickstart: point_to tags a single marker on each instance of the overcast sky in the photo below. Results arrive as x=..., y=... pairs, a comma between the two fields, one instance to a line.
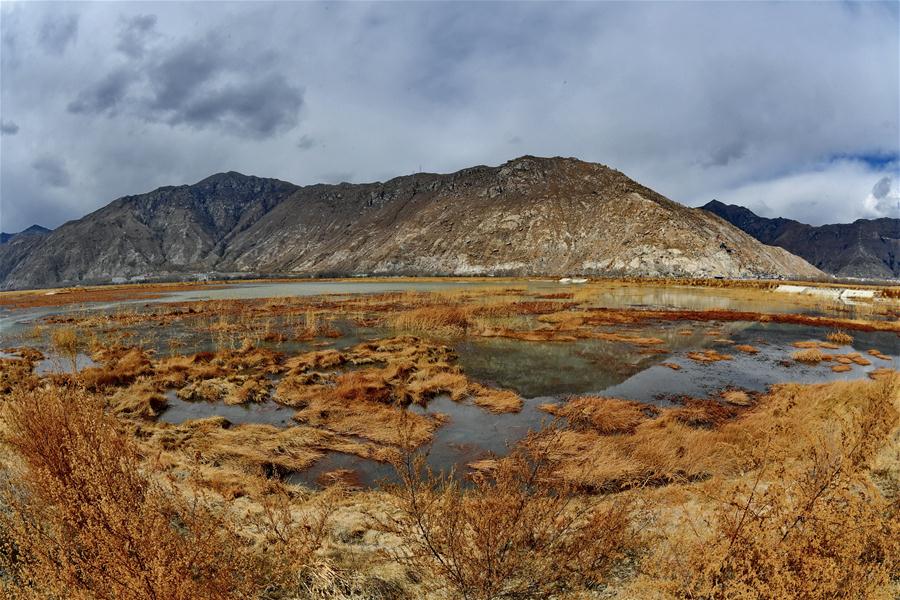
x=790, y=109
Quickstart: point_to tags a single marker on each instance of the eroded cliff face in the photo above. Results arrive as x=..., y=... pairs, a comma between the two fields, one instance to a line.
x=865, y=248
x=530, y=216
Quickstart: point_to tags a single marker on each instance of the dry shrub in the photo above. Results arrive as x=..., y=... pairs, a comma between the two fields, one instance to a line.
x=841, y=368
x=86, y=519
x=809, y=356
x=811, y=526
x=17, y=373
x=840, y=337
x=514, y=534
x=433, y=320
x=65, y=341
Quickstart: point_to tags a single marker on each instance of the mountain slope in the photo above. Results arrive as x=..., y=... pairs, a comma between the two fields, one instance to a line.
x=33, y=230
x=16, y=247
x=864, y=248
x=530, y=216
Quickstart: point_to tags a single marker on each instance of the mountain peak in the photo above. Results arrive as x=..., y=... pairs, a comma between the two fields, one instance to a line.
x=33, y=230
x=226, y=177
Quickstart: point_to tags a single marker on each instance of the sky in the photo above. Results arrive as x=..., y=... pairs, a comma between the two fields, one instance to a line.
x=790, y=109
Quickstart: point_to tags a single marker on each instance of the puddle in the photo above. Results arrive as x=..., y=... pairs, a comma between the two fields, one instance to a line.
x=267, y=413
x=59, y=364
x=470, y=434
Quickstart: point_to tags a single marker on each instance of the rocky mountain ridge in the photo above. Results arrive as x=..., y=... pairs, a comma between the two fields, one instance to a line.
x=33, y=230
x=529, y=216
x=867, y=248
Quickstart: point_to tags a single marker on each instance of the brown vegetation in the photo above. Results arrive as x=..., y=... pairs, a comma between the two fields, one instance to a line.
x=840, y=337
x=513, y=535
x=746, y=348
x=708, y=356
x=749, y=495
x=810, y=356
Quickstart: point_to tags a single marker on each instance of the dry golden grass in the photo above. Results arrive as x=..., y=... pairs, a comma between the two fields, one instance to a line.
x=746, y=348
x=433, y=320
x=65, y=342
x=737, y=397
x=705, y=438
x=807, y=522
x=878, y=354
x=840, y=337
x=85, y=520
x=810, y=356
x=841, y=368
x=603, y=415
x=708, y=356
x=512, y=535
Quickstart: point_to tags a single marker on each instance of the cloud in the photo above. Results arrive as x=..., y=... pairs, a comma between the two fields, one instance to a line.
x=788, y=105
x=882, y=201
x=306, y=142
x=200, y=84
x=134, y=34
x=51, y=171
x=58, y=31
x=881, y=188
x=8, y=128
x=104, y=96
x=836, y=192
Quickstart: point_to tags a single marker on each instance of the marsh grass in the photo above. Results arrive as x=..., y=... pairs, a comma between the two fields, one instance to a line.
x=84, y=518
x=810, y=356
x=514, y=534
x=66, y=343
x=840, y=337
x=808, y=523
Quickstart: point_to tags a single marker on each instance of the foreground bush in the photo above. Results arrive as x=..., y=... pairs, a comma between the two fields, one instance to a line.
x=83, y=519
x=807, y=526
x=513, y=534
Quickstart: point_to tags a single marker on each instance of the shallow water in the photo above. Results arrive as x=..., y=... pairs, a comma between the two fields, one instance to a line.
x=268, y=413
x=470, y=434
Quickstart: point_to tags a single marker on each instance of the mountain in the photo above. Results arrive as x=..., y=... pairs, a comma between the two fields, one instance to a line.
x=33, y=230
x=867, y=248
x=529, y=216
x=16, y=247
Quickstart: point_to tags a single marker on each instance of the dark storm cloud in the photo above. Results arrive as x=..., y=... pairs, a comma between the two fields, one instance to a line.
x=8, y=128
x=58, y=31
x=105, y=95
x=207, y=84
x=881, y=188
x=201, y=84
x=258, y=108
x=134, y=34
x=306, y=142
x=51, y=171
